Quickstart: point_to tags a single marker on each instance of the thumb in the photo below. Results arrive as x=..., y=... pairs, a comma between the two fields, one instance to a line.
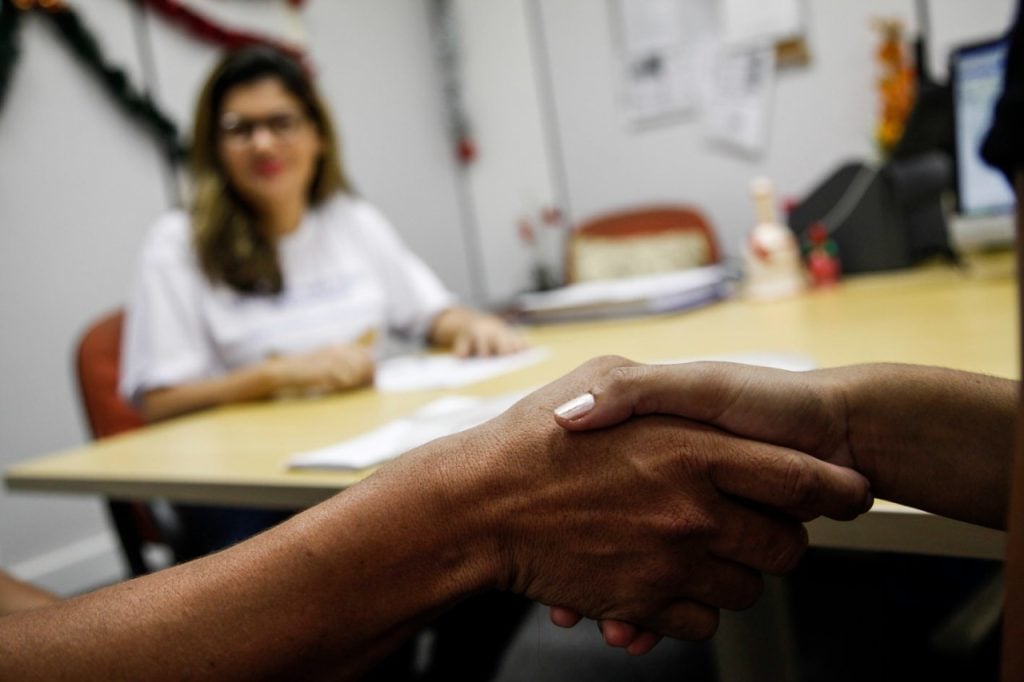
x=795, y=409
x=700, y=391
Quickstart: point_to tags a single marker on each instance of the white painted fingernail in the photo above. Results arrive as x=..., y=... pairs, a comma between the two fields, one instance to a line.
x=577, y=407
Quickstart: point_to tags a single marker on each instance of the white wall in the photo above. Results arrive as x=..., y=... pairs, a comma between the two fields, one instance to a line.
x=504, y=97
x=823, y=113
x=78, y=182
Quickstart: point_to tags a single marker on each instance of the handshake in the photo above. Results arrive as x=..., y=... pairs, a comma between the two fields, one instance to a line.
x=651, y=497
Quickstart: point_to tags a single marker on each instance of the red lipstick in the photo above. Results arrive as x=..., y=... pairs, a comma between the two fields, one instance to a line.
x=267, y=167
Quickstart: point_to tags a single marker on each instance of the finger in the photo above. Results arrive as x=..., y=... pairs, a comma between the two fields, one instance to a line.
x=496, y=341
x=720, y=583
x=485, y=343
x=634, y=390
x=643, y=644
x=369, y=370
x=684, y=619
x=564, y=618
x=512, y=342
x=787, y=479
x=758, y=540
x=636, y=641
x=463, y=345
x=617, y=633
x=505, y=342
x=364, y=366
x=344, y=373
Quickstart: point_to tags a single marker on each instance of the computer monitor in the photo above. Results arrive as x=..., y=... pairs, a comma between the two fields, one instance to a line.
x=984, y=199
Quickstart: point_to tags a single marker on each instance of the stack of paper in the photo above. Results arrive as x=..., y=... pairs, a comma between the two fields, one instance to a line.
x=658, y=293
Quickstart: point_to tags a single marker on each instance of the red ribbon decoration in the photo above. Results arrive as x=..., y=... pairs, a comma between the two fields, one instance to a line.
x=205, y=29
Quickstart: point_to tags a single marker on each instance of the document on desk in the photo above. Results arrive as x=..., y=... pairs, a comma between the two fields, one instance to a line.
x=439, y=418
x=445, y=371
x=649, y=294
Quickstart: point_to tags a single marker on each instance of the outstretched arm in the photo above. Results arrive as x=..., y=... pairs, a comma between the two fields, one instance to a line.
x=640, y=523
x=327, y=370
x=933, y=438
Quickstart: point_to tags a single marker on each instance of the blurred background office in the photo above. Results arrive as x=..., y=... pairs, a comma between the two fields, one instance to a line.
x=461, y=120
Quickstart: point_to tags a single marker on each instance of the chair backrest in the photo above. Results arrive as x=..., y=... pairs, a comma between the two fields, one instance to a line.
x=640, y=241
x=97, y=364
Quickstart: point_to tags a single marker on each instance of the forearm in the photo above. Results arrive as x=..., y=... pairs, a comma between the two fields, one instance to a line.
x=18, y=596
x=256, y=382
x=937, y=439
x=323, y=595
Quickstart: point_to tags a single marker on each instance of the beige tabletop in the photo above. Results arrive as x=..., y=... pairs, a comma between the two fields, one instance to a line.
x=237, y=455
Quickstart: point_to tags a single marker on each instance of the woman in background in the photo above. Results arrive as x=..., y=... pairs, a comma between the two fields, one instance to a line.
x=279, y=282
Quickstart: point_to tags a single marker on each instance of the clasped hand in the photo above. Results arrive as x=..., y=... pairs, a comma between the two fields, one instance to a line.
x=650, y=522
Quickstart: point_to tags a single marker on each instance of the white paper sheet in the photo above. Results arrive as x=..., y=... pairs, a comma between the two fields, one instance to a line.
x=651, y=24
x=656, y=59
x=746, y=22
x=430, y=372
x=738, y=97
x=439, y=418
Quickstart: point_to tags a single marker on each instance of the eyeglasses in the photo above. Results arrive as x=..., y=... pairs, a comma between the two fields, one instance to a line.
x=238, y=131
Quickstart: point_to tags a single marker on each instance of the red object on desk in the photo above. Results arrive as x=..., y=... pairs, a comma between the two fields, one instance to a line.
x=822, y=257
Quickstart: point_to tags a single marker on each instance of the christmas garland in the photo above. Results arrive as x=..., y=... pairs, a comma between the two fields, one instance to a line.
x=115, y=81
x=202, y=28
x=10, y=22
x=81, y=41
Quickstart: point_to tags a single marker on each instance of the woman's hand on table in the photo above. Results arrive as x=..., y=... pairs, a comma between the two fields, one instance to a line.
x=474, y=334
x=326, y=370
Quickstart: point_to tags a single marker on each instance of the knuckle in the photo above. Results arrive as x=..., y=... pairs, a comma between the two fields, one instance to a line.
x=799, y=482
x=704, y=627
x=604, y=363
x=622, y=379
x=690, y=524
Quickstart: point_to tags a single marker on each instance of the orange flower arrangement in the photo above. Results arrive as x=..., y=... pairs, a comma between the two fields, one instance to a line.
x=895, y=85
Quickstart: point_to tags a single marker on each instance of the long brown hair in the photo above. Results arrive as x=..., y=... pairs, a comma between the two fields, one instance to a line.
x=228, y=239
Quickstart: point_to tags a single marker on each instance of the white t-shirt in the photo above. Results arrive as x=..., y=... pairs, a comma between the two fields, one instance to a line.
x=345, y=272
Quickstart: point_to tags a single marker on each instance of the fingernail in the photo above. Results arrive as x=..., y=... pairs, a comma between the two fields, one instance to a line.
x=577, y=407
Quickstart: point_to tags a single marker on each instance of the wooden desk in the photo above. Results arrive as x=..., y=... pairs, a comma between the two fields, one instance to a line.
x=237, y=455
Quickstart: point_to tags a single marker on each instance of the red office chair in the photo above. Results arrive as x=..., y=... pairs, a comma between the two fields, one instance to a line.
x=97, y=364
x=640, y=241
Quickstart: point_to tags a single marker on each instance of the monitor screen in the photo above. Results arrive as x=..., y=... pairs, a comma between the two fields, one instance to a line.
x=977, y=76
